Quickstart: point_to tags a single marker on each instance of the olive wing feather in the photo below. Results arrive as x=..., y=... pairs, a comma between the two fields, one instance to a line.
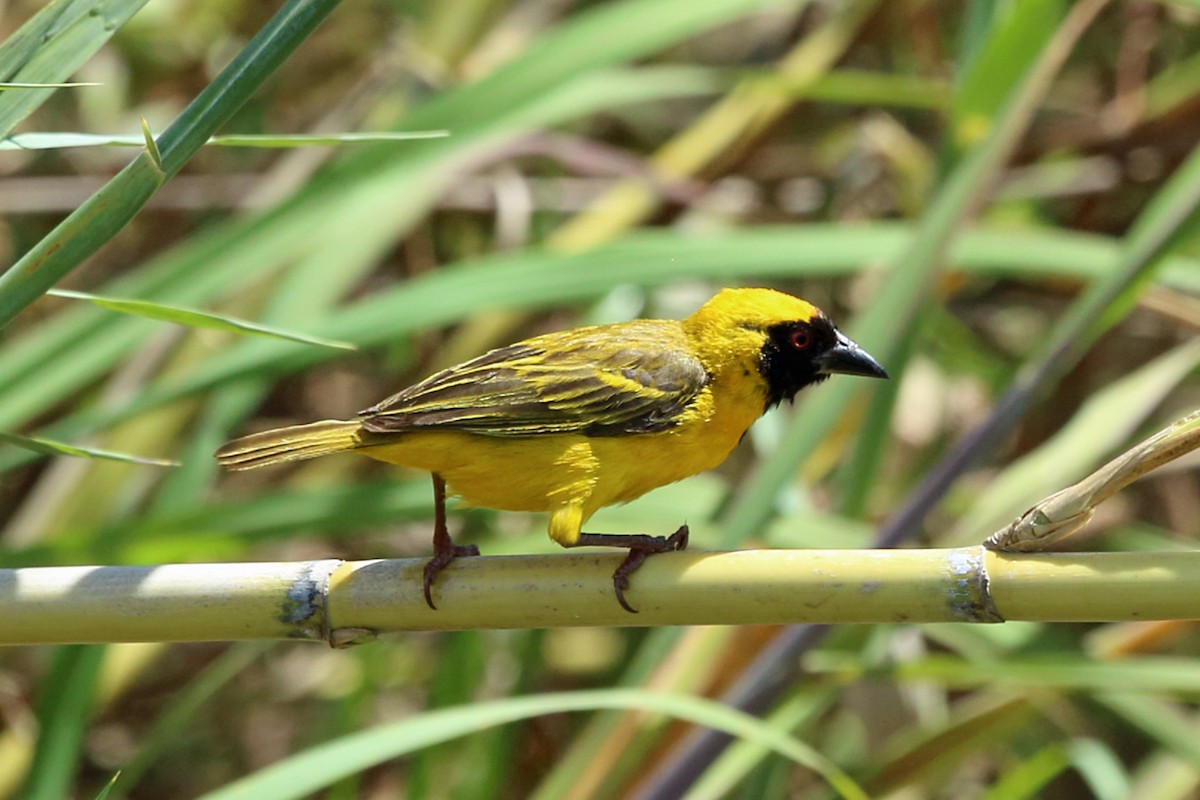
x=603, y=381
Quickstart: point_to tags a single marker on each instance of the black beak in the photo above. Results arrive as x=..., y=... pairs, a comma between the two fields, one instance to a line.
x=847, y=358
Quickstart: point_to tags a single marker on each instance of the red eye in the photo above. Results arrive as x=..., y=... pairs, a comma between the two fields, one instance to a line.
x=801, y=339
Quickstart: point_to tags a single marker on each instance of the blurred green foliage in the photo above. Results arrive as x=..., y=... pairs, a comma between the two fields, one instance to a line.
x=934, y=175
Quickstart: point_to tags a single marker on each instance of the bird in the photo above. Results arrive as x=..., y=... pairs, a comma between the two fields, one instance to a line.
x=572, y=421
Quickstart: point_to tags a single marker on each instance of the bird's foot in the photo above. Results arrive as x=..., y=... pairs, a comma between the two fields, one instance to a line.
x=638, y=553
x=442, y=556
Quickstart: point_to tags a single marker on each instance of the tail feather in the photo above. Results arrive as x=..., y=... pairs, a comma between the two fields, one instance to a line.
x=294, y=443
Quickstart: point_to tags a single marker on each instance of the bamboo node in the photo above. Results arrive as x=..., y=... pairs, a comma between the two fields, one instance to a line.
x=304, y=608
x=970, y=597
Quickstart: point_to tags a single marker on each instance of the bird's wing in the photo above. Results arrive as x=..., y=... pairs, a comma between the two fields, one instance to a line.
x=602, y=381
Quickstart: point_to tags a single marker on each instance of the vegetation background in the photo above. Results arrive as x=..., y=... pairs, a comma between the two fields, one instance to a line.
x=966, y=185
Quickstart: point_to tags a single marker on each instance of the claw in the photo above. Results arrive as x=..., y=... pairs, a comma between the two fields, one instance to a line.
x=679, y=539
x=638, y=553
x=441, y=559
x=620, y=578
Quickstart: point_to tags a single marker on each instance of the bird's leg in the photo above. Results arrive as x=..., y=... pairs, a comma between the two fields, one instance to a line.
x=640, y=547
x=444, y=548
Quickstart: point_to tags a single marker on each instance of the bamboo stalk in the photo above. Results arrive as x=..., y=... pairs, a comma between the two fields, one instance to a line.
x=165, y=603
x=346, y=603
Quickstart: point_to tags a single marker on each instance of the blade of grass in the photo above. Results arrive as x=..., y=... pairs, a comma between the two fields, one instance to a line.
x=49, y=447
x=197, y=319
x=5, y=86
x=51, y=46
x=1101, y=768
x=735, y=763
x=106, y=212
x=1017, y=33
x=1173, y=87
x=151, y=145
x=62, y=717
x=456, y=684
x=1062, y=671
x=608, y=754
x=1163, y=721
x=978, y=722
x=106, y=792
x=172, y=723
x=1028, y=777
x=318, y=767
x=857, y=476
x=862, y=87
x=574, y=770
x=1094, y=761
x=1166, y=776
x=78, y=236
x=324, y=140
x=63, y=141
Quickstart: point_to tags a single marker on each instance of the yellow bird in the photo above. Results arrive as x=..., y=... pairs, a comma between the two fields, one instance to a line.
x=573, y=421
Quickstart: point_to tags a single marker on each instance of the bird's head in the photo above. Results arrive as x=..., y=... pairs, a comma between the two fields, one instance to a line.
x=790, y=342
